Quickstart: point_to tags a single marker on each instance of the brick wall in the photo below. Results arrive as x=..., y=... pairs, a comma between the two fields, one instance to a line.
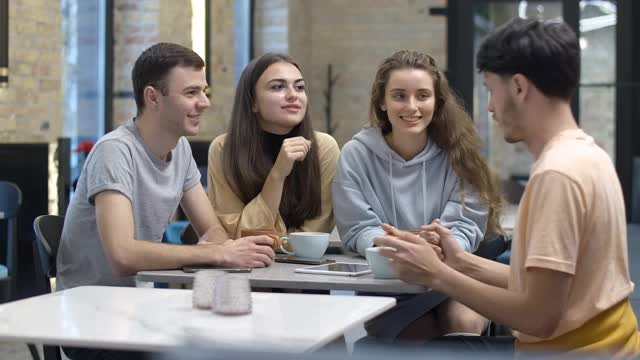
x=354, y=36
x=174, y=21
x=31, y=107
x=135, y=28
x=271, y=26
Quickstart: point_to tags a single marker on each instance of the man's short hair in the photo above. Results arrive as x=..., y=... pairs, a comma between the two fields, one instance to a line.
x=155, y=63
x=546, y=52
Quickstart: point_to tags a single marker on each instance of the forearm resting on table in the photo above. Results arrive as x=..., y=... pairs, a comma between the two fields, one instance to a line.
x=132, y=256
x=127, y=255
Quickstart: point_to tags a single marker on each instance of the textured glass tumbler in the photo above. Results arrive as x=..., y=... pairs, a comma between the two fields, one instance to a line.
x=203, y=289
x=232, y=295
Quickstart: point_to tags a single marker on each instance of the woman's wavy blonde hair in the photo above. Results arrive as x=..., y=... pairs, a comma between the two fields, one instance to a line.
x=451, y=129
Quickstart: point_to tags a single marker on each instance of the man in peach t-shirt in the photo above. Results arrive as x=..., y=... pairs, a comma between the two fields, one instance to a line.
x=568, y=285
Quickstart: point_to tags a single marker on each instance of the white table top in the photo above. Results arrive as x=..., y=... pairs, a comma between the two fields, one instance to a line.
x=283, y=276
x=159, y=319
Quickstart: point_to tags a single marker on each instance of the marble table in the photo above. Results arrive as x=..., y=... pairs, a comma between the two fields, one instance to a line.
x=149, y=319
x=283, y=276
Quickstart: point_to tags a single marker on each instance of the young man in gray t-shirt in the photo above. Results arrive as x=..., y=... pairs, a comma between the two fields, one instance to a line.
x=136, y=176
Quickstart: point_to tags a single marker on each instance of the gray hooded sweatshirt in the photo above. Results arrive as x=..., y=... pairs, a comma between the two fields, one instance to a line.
x=374, y=185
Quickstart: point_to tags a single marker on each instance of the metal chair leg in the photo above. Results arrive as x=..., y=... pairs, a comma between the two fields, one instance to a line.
x=51, y=352
x=34, y=352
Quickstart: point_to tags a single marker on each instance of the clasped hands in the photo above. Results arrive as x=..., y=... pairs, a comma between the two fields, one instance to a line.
x=419, y=258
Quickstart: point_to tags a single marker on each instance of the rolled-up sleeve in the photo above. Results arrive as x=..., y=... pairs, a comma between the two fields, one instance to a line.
x=467, y=220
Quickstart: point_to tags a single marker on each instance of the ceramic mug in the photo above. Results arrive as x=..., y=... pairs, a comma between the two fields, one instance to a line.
x=310, y=245
x=380, y=266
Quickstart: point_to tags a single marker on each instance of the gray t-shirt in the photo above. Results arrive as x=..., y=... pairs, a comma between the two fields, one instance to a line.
x=120, y=161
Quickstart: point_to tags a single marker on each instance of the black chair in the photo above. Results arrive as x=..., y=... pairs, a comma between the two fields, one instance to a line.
x=491, y=248
x=10, y=202
x=189, y=235
x=48, y=229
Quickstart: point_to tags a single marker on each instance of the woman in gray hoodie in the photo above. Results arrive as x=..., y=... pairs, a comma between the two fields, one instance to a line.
x=419, y=161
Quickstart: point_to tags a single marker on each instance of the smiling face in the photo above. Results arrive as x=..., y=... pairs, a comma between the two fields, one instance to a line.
x=281, y=100
x=185, y=100
x=409, y=100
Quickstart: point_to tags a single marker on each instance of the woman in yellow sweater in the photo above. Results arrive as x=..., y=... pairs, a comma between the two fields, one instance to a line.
x=271, y=170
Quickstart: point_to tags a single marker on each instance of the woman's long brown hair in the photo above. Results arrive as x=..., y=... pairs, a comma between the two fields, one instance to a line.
x=451, y=129
x=247, y=164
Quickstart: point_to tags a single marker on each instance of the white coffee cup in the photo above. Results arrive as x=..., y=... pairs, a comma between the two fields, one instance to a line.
x=380, y=266
x=310, y=245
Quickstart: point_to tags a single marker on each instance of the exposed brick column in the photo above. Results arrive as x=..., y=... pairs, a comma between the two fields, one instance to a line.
x=221, y=40
x=31, y=107
x=135, y=28
x=271, y=26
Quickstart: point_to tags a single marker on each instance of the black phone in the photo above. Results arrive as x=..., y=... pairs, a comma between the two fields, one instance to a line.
x=282, y=258
x=192, y=269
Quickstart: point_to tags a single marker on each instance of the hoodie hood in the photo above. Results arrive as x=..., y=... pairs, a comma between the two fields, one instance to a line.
x=373, y=139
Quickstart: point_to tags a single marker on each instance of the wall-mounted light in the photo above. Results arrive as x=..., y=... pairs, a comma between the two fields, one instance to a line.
x=4, y=43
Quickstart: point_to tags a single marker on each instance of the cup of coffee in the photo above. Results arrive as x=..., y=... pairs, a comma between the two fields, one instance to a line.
x=310, y=245
x=380, y=266
x=278, y=246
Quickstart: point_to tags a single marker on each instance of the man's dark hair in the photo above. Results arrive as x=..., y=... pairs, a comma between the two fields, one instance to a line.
x=546, y=52
x=153, y=65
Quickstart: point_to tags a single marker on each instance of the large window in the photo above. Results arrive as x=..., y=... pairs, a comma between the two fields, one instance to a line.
x=83, y=75
x=598, y=21
x=200, y=31
x=242, y=34
x=596, y=95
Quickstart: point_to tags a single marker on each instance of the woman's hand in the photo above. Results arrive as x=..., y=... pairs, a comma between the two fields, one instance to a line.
x=292, y=150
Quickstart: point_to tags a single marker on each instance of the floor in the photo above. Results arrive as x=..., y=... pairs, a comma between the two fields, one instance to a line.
x=634, y=264
x=13, y=351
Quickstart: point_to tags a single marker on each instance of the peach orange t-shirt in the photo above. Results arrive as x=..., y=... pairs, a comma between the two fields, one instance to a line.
x=572, y=219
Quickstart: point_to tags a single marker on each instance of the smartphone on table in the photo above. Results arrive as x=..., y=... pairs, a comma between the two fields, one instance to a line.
x=193, y=269
x=339, y=268
x=284, y=258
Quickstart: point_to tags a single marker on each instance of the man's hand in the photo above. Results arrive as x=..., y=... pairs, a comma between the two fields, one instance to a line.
x=450, y=246
x=248, y=252
x=414, y=259
x=433, y=238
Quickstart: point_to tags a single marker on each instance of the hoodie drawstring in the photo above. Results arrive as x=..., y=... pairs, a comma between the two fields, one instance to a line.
x=393, y=200
x=424, y=193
